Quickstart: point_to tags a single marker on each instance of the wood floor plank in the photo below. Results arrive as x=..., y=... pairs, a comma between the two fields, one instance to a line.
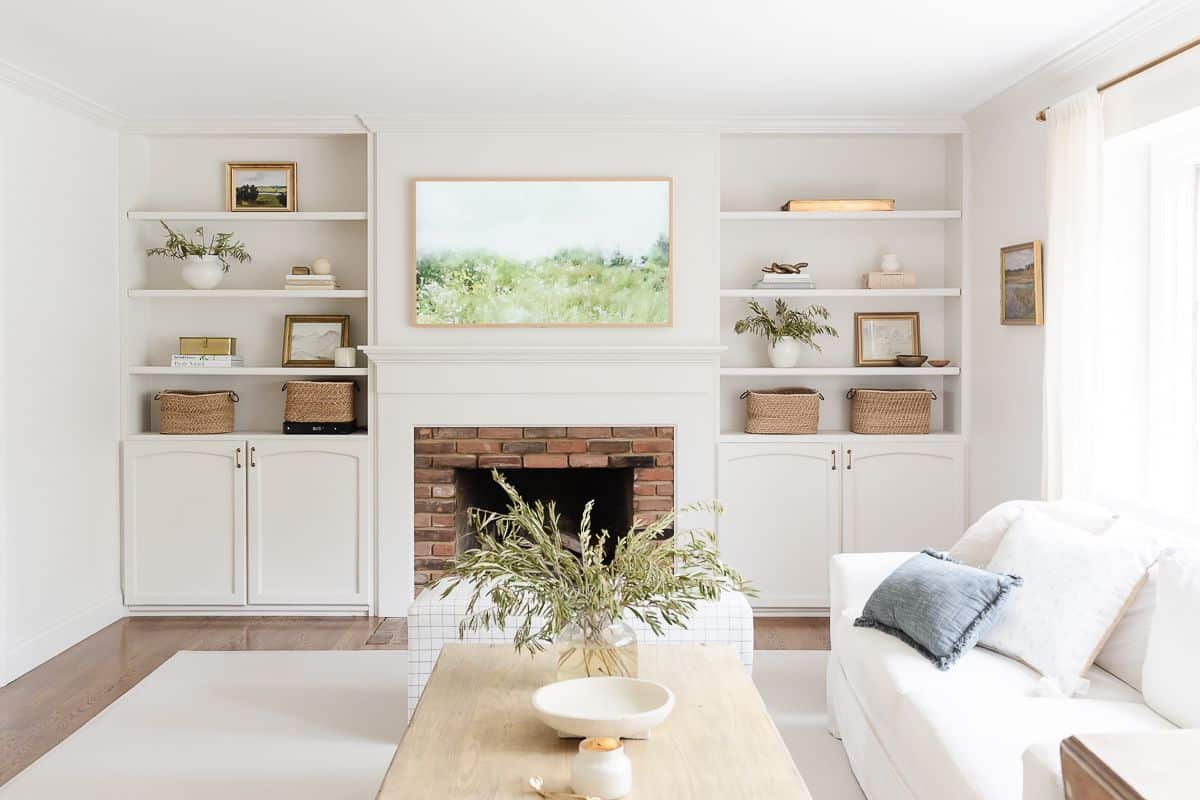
x=48, y=704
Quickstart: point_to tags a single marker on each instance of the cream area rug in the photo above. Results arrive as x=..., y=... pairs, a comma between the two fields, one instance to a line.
x=324, y=725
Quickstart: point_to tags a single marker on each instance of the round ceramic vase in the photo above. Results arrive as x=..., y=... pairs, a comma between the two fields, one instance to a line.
x=784, y=353
x=203, y=272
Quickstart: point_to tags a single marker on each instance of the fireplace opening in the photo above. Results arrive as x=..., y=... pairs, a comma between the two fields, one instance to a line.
x=568, y=489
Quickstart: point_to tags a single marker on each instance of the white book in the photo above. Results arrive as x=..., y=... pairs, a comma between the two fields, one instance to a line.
x=777, y=285
x=179, y=360
x=310, y=278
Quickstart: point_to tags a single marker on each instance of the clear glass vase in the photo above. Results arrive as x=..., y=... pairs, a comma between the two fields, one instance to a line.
x=591, y=648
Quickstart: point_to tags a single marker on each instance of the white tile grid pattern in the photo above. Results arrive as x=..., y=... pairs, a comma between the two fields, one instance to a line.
x=433, y=621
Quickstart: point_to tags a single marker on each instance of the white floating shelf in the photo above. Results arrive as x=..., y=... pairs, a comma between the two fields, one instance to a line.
x=802, y=216
x=769, y=372
x=836, y=436
x=251, y=371
x=251, y=216
x=247, y=294
x=941, y=292
x=238, y=435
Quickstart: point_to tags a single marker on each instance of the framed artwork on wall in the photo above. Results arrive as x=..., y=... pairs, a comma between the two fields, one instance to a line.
x=1021, y=284
x=542, y=252
x=880, y=337
x=311, y=340
x=266, y=186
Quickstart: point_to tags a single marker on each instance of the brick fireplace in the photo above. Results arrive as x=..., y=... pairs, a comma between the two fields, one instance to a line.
x=639, y=460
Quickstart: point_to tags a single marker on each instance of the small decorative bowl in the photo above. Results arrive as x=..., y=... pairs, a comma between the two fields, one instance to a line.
x=616, y=707
x=911, y=361
x=939, y=362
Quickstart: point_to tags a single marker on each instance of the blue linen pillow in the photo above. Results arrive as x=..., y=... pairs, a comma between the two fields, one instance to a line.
x=936, y=605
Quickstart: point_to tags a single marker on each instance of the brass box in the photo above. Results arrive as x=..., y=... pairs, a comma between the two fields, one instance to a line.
x=208, y=345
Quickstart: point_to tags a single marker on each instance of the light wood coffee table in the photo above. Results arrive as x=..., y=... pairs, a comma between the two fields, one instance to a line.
x=474, y=733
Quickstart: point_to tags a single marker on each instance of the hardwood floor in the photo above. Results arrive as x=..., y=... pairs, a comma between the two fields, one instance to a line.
x=48, y=704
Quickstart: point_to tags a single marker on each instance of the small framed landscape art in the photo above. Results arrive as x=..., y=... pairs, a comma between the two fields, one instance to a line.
x=880, y=337
x=266, y=186
x=1021, y=284
x=541, y=252
x=309, y=340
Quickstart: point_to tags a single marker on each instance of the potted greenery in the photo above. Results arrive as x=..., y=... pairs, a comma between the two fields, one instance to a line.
x=204, y=262
x=581, y=602
x=786, y=330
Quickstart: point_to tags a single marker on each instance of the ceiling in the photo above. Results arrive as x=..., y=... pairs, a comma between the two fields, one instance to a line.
x=284, y=57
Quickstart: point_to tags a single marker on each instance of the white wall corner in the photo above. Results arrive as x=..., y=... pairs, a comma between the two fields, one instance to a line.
x=24, y=656
x=58, y=95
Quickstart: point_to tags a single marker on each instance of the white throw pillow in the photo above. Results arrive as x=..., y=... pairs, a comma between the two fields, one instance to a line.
x=1173, y=656
x=979, y=542
x=1077, y=585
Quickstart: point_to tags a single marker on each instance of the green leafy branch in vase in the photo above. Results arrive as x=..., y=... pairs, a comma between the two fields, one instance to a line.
x=788, y=323
x=523, y=570
x=181, y=247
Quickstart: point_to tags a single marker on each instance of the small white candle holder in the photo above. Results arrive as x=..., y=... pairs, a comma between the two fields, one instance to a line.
x=601, y=769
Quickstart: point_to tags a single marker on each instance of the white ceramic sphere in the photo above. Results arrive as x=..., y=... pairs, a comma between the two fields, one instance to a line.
x=321, y=266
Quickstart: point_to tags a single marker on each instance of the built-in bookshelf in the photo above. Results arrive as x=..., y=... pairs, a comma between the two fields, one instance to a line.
x=180, y=181
x=922, y=170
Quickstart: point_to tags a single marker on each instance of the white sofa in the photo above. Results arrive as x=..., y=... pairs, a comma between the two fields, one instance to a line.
x=978, y=730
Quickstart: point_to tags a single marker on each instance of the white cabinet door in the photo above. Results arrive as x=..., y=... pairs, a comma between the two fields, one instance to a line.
x=901, y=496
x=780, y=525
x=308, y=520
x=185, y=523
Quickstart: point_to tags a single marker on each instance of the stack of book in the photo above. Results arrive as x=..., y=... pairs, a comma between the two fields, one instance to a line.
x=310, y=282
x=181, y=360
x=889, y=280
x=794, y=280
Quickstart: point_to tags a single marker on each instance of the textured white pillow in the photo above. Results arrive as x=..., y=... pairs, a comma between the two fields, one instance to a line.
x=1173, y=656
x=979, y=542
x=1077, y=585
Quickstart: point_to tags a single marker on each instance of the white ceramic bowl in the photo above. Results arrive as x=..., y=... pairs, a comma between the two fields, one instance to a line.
x=617, y=707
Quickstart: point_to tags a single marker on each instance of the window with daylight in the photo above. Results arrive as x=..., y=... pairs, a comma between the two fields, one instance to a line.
x=1148, y=364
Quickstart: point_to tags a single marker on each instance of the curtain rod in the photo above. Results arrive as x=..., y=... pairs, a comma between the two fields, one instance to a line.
x=1133, y=73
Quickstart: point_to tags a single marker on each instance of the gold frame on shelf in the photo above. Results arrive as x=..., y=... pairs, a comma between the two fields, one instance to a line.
x=288, y=167
x=670, y=321
x=859, y=317
x=1038, y=290
x=289, y=319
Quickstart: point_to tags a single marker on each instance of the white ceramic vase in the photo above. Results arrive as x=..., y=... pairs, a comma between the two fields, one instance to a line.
x=203, y=272
x=785, y=352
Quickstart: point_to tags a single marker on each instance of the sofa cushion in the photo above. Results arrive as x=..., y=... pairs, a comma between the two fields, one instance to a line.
x=936, y=605
x=979, y=542
x=1173, y=653
x=1077, y=586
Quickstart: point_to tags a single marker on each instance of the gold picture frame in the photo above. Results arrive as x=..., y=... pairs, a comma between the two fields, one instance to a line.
x=421, y=321
x=316, y=338
x=878, y=333
x=1021, y=289
x=256, y=186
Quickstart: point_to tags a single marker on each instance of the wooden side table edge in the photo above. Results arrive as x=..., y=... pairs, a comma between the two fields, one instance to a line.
x=1100, y=782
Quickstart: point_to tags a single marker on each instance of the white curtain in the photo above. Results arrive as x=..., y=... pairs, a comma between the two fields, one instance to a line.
x=1072, y=295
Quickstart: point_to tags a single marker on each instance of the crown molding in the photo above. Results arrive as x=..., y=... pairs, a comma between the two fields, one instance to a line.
x=246, y=126
x=58, y=95
x=644, y=123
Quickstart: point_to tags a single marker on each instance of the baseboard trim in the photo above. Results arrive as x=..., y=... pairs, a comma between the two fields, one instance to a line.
x=249, y=611
x=66, y=634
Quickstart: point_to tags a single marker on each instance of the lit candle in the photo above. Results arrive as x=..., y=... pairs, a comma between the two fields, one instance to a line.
x=602, y=769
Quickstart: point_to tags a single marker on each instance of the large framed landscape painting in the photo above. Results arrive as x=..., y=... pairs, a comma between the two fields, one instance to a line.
x=542, y=252
x=1021, y=284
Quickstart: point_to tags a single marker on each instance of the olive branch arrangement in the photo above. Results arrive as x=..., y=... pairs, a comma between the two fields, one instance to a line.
x=522, y=568
x=181, y=247
x=787, y=323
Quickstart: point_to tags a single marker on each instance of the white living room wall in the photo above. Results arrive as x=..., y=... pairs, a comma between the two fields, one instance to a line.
x=59, y=545
x=1007, y=186
x=538, y=149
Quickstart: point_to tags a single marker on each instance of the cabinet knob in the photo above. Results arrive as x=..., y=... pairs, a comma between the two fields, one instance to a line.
x=237, y=458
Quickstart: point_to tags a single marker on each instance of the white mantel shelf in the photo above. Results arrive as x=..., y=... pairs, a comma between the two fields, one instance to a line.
x=534, y=354
x=251, y=216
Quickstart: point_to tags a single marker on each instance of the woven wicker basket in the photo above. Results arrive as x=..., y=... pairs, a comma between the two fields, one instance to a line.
x=319, y=401
x=890, y=410
x=183, y=412
x=793, y=409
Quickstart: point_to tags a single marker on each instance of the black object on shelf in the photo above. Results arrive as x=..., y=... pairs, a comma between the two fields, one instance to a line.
x=319, y=427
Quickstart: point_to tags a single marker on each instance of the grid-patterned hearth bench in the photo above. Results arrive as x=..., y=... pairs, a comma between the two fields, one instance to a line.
x=433, y=621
